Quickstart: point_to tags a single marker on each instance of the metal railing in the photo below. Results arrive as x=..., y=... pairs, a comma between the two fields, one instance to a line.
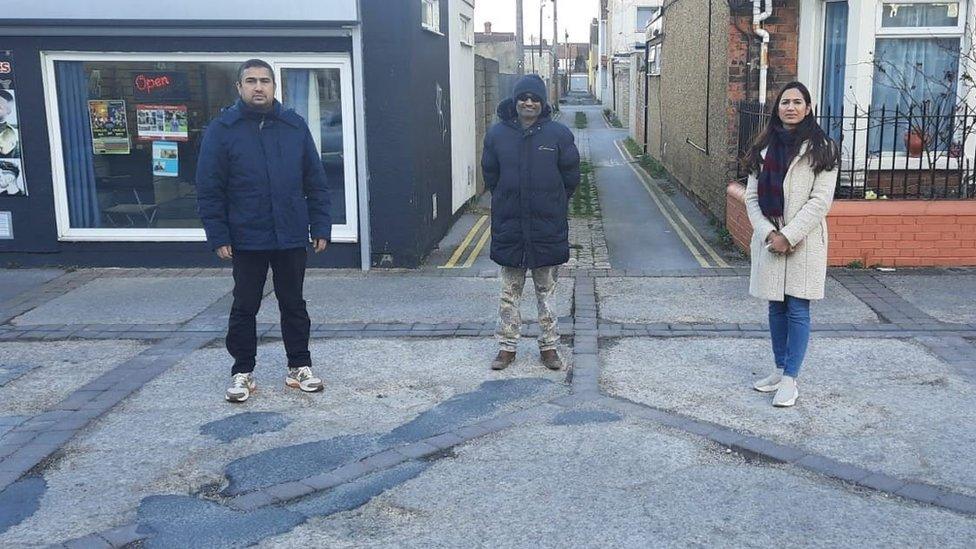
x=891, y=153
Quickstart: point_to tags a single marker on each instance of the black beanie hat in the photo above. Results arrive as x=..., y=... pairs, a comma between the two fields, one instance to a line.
x=530, y=83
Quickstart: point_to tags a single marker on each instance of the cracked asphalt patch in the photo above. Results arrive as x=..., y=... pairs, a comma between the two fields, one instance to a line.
x=244, y=425
x=371, y=388
x=621, y=484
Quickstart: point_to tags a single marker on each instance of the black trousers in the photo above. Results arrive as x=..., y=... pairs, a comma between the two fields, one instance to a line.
x=288, y=275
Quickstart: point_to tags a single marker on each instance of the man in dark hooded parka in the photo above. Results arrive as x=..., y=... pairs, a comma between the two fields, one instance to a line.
x=531, y=167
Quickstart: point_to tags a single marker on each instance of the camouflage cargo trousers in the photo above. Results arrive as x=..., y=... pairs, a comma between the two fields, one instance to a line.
x=510, y=316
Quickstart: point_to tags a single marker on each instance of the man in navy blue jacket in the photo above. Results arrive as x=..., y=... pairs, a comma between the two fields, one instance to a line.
x=261, y=194
x=531, y=167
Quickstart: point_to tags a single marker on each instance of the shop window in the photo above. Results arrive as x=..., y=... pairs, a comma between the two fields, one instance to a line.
x=130, y=128
x=130, y=135
x=315, y=94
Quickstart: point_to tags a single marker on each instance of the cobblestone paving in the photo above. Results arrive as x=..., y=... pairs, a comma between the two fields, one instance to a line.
x=587, y=241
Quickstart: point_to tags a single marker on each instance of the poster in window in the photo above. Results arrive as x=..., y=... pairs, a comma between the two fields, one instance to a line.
x=165, y=159
x=163, y=122
x=11, y=160
x=110, y=129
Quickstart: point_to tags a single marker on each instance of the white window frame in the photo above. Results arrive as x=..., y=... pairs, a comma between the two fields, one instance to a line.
x=654, y=60
x=926, y=32
x=347, y=232
x=957, y=31
x=467, y=30
x=430, y=15
x=340, y=233
x=655, y=10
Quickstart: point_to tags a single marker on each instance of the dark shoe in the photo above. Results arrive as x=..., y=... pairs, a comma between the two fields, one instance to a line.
x=551, y=360
x=503, y=360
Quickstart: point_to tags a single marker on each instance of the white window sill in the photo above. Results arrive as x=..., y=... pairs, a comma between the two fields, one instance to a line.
x=432, y=30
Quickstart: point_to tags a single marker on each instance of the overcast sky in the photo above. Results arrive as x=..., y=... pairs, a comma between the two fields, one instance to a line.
x=574, y=16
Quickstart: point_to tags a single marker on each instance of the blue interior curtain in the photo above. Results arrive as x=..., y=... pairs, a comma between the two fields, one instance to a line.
x=914, y=71
x=834, y=69
x=76, y=141
x=295, y=92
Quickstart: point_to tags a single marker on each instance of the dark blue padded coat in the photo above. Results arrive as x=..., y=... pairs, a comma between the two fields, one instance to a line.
x=531, y=174
x=260, y=181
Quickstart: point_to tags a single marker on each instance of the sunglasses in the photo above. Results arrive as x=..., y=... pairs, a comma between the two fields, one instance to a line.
x=529, y=97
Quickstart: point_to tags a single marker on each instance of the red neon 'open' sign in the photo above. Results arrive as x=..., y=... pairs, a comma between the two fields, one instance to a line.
x=149, y=84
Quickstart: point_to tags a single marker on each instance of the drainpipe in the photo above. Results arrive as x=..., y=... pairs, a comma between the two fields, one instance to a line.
x=758, y=16
x=647, y=69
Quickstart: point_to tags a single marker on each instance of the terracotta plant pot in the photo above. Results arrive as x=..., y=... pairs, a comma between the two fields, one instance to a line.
x=915, y=143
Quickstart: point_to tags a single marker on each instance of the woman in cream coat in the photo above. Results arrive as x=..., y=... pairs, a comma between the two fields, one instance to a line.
x=793, y=170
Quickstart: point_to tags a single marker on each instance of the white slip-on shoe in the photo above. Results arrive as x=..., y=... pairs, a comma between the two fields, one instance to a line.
x=241, y=387
x=769, y=383
x=303, y=378
x=787, y=393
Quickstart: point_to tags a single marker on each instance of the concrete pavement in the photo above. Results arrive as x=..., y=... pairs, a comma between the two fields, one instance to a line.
x=652, y=437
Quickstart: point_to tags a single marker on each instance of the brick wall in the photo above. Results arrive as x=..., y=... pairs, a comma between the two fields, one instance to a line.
x=903, y=233
x=743, y=61
x=622, y=93
x=639, y=119
x=895, y=233
x=736, y=218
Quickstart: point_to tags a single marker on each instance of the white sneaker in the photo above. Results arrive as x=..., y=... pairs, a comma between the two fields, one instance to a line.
x=769, y=383
x=241, y=387
x=303, y=378
x=787, y=393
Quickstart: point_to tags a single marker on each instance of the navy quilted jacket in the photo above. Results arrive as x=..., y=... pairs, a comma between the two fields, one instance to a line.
x=531, y=174
x=260, y=181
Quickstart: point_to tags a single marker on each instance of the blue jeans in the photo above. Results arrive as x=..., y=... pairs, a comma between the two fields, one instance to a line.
x=789, y=328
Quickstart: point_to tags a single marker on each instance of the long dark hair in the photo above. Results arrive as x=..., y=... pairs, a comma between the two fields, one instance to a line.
x=821, y=150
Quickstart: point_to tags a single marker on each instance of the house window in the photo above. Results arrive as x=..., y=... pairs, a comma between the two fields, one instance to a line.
x=834, y=67
x=430, y=15
x=644, y=16
x=916, y=71
x=126, y=132
x=467, y=31
x=921, y=15
x=654, y=60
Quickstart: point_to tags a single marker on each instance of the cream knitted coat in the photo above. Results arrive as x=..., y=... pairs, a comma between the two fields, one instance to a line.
x=803, y=272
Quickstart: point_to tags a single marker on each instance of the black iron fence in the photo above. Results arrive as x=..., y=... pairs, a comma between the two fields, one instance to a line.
x=890, y=153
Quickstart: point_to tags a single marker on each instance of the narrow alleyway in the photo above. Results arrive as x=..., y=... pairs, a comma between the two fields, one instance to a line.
x=647, y=224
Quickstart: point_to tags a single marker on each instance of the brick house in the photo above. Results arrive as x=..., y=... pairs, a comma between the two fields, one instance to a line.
x=702, y=78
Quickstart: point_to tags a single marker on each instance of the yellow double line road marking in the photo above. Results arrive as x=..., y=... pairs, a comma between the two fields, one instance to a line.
x=682, y=227
x=452, y=263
